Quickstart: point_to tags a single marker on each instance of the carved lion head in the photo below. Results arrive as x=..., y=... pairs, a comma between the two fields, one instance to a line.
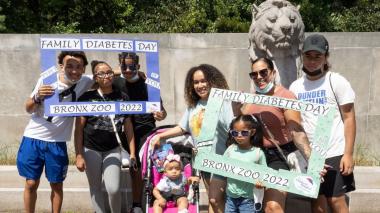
x=276, y=30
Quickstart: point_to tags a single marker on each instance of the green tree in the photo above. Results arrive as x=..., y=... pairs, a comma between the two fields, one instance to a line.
x=2, y=20
x=233, y=15
x=156, y=16
x=21, y=16
x=99, y=16
x=65, y=16
x=175, y=16
x=340, y=15
x=361, y=17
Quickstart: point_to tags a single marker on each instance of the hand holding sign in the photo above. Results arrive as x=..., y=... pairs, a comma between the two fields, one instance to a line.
x=303, y=184
x=155, y=141
x=159, y=115
x=44, y=91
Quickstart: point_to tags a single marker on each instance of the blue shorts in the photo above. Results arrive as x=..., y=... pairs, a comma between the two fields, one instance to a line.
x=34, y=154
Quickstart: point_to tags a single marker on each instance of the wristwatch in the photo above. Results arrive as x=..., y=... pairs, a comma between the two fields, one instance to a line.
x=37, y=99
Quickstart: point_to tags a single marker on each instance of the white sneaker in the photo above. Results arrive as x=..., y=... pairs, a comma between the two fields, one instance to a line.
x=125, y=159
x=137, y=210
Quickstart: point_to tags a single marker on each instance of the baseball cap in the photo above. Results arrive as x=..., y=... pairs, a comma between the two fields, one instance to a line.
x=316, y=42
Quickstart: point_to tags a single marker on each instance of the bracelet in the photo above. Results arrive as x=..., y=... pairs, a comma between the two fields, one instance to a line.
x=36, y=99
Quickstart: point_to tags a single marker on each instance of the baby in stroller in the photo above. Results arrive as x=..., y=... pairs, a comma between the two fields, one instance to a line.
x=158, y=162
x=172, y=185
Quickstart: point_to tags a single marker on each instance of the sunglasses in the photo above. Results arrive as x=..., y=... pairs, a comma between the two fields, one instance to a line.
x=132, y=67
x=243, y=133
x=263, y=73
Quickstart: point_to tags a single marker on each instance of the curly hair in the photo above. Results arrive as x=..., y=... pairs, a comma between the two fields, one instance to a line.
x=213, y=77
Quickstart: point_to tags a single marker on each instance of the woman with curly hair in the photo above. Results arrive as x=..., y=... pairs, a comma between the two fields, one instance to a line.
x=198, y=83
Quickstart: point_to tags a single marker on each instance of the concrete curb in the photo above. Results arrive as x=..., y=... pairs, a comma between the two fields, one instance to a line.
x=77, y=198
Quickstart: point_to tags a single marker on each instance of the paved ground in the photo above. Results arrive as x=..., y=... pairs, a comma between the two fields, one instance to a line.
x=77, y=199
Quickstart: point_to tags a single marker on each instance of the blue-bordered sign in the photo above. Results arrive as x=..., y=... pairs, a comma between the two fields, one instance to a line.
x=53, y=107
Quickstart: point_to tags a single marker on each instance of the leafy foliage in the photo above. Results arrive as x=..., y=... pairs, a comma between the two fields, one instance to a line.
x=362, y=17
x=2, y=19
x=340, y=15
x=174, y=16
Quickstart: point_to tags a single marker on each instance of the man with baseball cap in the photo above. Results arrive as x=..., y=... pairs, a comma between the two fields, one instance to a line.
x=321, y=86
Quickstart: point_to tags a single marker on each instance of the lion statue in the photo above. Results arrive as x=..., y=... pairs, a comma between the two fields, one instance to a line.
x=277, y=32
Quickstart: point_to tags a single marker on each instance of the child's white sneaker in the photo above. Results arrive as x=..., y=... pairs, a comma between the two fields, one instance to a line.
x=136, y=209
x=183, y=211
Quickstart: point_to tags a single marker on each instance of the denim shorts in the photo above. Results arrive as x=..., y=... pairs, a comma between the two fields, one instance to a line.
x=33, y=155
x=242, y=205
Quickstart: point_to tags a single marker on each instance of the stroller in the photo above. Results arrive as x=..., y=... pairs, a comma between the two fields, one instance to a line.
x=182, y=145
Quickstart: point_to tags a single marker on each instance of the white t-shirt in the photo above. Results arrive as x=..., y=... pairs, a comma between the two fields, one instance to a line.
x=60, y=128
x=172, y=187
x=320, y=91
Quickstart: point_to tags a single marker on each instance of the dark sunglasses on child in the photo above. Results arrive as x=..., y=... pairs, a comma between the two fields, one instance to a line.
x=263, y=73
x=132, y=67
x=243, y=133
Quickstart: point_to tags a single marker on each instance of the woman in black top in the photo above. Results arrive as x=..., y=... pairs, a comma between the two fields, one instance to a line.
x=96, y=145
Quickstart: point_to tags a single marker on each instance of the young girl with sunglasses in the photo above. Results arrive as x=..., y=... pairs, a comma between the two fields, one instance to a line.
x=246, y=135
